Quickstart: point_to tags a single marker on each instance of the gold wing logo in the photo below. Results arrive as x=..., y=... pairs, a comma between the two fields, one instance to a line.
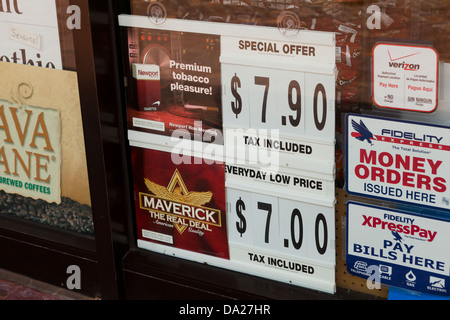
x=193, y=198
x=178, y=192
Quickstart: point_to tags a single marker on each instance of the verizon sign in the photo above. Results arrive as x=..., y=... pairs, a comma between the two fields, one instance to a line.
x=405, y=77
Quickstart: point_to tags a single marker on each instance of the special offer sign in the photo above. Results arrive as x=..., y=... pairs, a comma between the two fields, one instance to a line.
x=398, y=248
x=398, y=160
x=405, y=77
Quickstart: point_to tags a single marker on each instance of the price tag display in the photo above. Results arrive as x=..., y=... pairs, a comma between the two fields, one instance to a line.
x=282, y=225
x=285, y=88
x=298, y=104
x=279, y=233
x=277, y=107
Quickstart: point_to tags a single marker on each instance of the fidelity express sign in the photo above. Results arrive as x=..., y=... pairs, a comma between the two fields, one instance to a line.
x=403, y=249
x=397, y=160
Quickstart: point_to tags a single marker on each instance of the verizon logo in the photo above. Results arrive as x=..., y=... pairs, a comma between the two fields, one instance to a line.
x=403, y=65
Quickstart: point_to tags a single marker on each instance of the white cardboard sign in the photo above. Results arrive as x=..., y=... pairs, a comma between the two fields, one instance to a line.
x=398, y=160
x=405, y=77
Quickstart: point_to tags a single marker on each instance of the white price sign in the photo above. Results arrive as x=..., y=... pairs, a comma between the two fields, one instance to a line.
x=282, y=225
x=284, y=89
x=297, y=103
x=284, y=85
x=283, y=234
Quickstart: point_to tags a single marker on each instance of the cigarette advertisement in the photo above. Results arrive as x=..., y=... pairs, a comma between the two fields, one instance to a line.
x=182, y=205
x=173, y=83
x=398, y=248
x=29, y=33
x=398, y=160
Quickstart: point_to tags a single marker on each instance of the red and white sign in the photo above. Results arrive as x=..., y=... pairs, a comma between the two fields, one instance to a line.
x=148, y=86
x=398, y=160
x=179, y=206
x=405, y=77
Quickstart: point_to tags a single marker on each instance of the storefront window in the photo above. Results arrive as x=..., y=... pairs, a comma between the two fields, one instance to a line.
x=351, y=95
x=43, y=170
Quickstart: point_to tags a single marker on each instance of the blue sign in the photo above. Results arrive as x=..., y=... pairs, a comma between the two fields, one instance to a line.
x=398, y=248
x=403, y=294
